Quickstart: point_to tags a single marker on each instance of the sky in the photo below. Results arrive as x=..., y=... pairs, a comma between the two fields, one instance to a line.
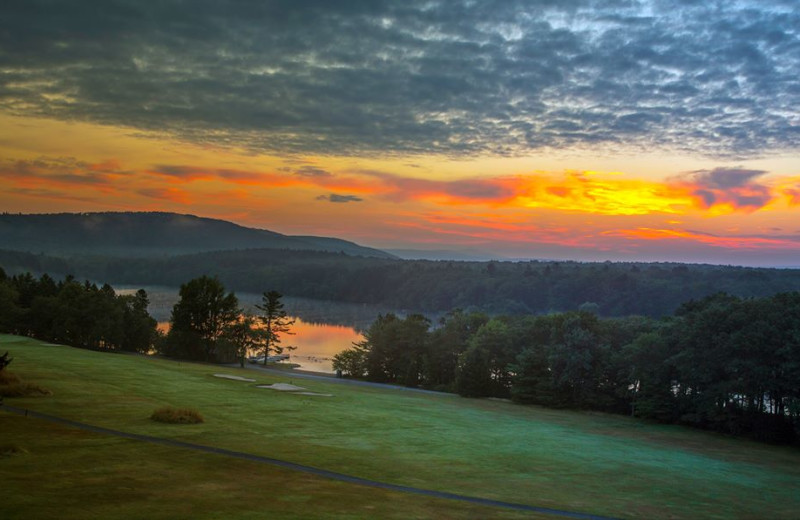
x=614, y=130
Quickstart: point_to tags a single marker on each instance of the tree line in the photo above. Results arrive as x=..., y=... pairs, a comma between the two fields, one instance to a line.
x=722, y=363
x=80, y=314
x=527, y=287
x=206, y=323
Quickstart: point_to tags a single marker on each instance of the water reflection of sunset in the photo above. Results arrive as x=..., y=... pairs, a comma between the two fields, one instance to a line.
x=316, y=343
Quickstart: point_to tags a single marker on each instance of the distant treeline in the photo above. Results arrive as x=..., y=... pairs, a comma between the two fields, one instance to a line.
x=74, y=313
x=610, y=289
x=721, y=363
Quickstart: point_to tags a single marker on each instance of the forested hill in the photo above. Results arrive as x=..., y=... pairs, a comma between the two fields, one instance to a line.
x=151, y=234
x=610, y=289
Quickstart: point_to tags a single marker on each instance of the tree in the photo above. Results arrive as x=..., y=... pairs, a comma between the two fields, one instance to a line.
x=275, y=322
x=483, y=368
x=353, y=361
x=395, y=348
x=139, y=328
x=244, y=335
x=200, y=318
x=446, y=344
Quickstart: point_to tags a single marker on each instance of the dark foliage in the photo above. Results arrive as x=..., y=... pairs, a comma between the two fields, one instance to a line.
x=5, y=361
x=721, y=363
x=200, y=320
x=77, y=314
x=609, y=289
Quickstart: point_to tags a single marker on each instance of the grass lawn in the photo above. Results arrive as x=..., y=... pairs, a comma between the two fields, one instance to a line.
x=590, y=463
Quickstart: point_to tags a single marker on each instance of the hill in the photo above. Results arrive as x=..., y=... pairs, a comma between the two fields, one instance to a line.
x=584, y=462
x=148, y=234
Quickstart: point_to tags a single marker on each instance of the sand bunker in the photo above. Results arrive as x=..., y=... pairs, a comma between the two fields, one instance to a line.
x=283, y=387
x=286, y=387
x=235, y=378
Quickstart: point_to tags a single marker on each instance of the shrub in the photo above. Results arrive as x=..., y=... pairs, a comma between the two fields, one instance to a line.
x=12, y=386
x=171, y=415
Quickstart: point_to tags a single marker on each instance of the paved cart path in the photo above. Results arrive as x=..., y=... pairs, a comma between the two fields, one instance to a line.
x=300, y=467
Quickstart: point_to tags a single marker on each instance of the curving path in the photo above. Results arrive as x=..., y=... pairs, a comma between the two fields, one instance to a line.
x=300, y=467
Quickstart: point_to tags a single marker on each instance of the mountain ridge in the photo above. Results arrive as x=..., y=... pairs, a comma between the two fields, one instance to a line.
x=149, y=234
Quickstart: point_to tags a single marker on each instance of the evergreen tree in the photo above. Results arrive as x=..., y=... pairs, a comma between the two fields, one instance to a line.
x=275, y=322
x=200, y=318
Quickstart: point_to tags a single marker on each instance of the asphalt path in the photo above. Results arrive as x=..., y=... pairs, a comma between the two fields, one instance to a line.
x=300, y=467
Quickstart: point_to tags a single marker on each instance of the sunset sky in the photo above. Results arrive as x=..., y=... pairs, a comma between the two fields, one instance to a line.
x=607, y=130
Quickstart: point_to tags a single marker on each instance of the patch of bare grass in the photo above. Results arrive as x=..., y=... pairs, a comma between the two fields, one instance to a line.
x=171, y=415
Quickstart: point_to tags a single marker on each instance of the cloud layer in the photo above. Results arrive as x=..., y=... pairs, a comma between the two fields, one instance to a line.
x=379, y=77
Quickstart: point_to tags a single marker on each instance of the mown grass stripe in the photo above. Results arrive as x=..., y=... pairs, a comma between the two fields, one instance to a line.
x=300, y=467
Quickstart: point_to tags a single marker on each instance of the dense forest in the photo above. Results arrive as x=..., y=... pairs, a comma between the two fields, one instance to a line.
x=73, y=313
x=531, y=287
x=722, y=363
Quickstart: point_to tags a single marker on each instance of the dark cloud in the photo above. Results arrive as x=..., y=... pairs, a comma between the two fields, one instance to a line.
x=735, y=186
x=725, y=178
x=174, y=171
x=419, y=76
x=333, y=197
x=311, y=171
x=63, y=170
x=466, y=190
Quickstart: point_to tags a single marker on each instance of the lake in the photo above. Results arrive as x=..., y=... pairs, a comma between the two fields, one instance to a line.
x=321, y=330
x=315, y=344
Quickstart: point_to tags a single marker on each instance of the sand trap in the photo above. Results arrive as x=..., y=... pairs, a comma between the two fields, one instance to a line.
x=283, y=387
x=314, y=393
x=235, y=378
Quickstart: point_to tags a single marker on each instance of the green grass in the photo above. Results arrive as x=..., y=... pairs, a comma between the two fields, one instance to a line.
x=591, y=463
x=171, y=415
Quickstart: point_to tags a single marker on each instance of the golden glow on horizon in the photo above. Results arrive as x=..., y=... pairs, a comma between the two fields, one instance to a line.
x=50, y=166
x=725, y=242
x=591, y=192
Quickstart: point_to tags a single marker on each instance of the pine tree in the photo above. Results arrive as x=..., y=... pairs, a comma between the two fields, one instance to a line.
x=275, y=322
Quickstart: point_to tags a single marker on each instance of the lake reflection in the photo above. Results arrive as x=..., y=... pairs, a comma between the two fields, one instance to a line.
x=316, y=343
x=317, y=340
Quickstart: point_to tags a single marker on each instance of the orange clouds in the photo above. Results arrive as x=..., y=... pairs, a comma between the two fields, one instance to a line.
x=715, y=192
x=540, y=213
x=710, y=192
x=728, y=242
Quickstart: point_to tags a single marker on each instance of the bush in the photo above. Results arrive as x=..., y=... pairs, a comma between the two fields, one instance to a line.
x=171, y=415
